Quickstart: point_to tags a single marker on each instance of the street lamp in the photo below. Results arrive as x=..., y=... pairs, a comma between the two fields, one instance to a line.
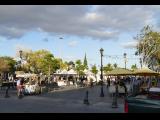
x=20, y=54
x=102, y=93
x=125, y=61
x=60, y=51
x=140, y=62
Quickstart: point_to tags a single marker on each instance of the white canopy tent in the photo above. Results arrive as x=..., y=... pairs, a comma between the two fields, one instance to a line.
x=57, y=72
x=99, y=73
x=25, y=75
x=98, y=76
x=72, y=72
x=63, y=72
x=88, y=72
x=90, y=75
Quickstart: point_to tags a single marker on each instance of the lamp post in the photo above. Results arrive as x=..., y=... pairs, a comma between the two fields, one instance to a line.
x=102, y=93
x=49, y=73
x=60, y=50
x=140, y=62
x=125, y=61
x=20, y=54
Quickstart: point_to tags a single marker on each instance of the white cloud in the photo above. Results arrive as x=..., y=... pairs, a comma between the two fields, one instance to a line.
x=131, y=44
x=92, y=16
x=86, y=21
x=73, y=43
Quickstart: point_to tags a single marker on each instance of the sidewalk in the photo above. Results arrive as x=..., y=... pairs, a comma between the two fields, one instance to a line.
x=69, y=100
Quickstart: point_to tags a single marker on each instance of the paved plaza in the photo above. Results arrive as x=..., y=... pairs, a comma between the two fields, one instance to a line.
x=66, y=100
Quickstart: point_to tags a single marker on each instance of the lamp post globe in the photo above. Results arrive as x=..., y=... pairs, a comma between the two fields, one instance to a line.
x=101, y=51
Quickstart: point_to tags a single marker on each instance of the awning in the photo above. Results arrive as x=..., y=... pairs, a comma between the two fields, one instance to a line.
x=19, y=72
x=145, y=71
x=120, y=71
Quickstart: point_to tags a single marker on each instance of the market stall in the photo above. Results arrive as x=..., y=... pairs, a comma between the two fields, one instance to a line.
x=150, y=78
x=30, y=82
x=119, y=72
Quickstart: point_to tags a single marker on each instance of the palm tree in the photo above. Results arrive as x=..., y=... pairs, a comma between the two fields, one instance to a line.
x=79, y=68
x=108, y=67
x=95, y=71
x=115, y=65
x=134, y=67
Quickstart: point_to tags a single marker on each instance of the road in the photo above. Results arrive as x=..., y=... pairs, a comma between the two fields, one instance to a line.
x=67, y=100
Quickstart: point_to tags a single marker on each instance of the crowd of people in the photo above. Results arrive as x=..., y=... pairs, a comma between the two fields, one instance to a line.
x=32, y=85
x=122, y=82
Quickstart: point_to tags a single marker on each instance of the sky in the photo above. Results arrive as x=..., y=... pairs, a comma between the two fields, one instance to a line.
x=84, y=29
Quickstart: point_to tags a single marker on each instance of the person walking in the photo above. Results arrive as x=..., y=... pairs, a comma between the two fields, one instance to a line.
x=122, y=83
x=117, y=82
x=108, y=82
x=20, y=86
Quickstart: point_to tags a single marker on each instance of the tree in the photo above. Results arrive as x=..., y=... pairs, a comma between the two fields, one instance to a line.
x=94, y=70
x=134, y=67
x=42, y=60
x=7, y=65
x=149, y=46
x=108, y=67
x=79, y=67
x=62, y=65
x=85, y=63
x=4, y=66
x=115, y=65
x=71, y=65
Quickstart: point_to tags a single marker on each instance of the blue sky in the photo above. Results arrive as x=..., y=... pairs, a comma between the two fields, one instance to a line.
x=70, y=48
x=85, y=29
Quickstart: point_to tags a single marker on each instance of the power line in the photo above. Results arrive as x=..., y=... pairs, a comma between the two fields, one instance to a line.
x=117, y=57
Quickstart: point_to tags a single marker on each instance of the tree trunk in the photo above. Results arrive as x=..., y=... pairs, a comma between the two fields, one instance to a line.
x=96, y=78
x=49, y=74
